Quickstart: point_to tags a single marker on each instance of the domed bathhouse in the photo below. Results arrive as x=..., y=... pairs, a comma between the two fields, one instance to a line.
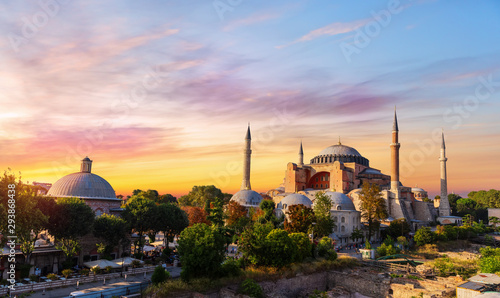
x=93, y=189
x=97, y=193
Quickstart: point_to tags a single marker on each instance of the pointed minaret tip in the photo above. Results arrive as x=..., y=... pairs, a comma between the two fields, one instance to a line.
x=301, y=150
x=395, y=124
x=340, y=143
x=248, y=136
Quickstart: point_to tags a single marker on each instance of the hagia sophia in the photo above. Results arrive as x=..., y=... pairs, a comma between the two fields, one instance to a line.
x=340, y=171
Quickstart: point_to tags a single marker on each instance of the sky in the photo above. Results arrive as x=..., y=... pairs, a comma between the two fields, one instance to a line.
x=159, y=93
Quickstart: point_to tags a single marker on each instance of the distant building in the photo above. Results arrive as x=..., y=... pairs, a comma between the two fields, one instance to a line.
x=479, y=285
x=43, y=188
x=342, y=169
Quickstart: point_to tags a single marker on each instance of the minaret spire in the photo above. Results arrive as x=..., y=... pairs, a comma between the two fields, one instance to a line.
x=247, y=152
x=301, y=155
x=444, y=204
x=395, y=145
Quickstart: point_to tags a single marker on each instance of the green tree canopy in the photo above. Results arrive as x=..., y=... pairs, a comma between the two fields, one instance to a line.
x=322, y=211
x=202, y=251
x=140, y=214
x=424, y=235
x=171, y=220
x=200, y=195
x=111, y=229
x=399, y=227
x=373, y=208
x=72, y=218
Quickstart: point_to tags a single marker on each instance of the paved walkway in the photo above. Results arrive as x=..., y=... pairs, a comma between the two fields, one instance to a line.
x=64, y=292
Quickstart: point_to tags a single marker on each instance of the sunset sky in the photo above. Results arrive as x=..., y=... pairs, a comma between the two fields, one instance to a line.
x=159, y=93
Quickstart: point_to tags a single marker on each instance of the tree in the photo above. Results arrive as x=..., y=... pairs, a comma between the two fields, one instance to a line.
x=199, y=195
x=196, y=215
x=282, y=250
x=140, y=213
x=112, y=230
x=322, y=211
x=167, y=198
x=357, y=234
x=424, y=235
x=252, y=242
x=202, y=250
x=373, y=208
x=215, y=212
x=267, y=215
x=399, y=227
x=69, y=247
x=171, y=220
x=236, y=217
x=300, y=219
x=72, y=218
x=304, y=246
x=490, y=260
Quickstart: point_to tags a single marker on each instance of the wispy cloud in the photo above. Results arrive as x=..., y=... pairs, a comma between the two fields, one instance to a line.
x=251, y=20
x=329, y=30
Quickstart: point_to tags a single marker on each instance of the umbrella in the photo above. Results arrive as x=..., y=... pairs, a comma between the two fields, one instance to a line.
x=148, y=248
x=102, y=263
x=125, y=261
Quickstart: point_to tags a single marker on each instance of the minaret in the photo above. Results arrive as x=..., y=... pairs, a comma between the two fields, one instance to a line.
x=395, y=155
x=301, y=156
x=86, y=166
x=444, y=204
x=247, y=152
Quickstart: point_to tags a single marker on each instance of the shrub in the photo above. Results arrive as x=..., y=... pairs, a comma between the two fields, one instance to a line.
x=136, y=264
x=304, y=246
x=424, y=236
x=251, y=288
x=108, y=269
x=96, y=270
x=67, y=272
x=51, y=276
x=325, y=249
x=85, y=272
x=231, y=267
x=159, y=275
x=490, y=260
x=33, y=277
x=367, y=244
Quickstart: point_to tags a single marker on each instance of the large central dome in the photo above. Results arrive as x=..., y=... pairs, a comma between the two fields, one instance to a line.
x=83, y=185
x=340, y=150
x=341, y=153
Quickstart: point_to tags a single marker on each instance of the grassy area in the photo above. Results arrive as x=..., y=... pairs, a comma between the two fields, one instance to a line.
x=173, y=288
x=432, y=251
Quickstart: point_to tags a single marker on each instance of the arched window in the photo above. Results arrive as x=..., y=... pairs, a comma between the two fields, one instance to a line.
x=343, y=218
x=98, y=212
x=339, y=208
x=343, y=229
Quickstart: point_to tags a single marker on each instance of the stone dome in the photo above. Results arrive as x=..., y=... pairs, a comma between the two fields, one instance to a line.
x=247, y=197
x=340, y=201
x=83, y=185
x=415, y=189
x=340, y=150
x=294, y=199
x=341, y=153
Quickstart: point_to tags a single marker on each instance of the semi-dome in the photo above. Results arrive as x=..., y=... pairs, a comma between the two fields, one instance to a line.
x=341, y=153
x=340, y=201
x=247, y=197
x=83, y=185
x=294, y=199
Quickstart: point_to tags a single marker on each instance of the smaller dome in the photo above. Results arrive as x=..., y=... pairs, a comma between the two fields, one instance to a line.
x=294, y=199
x=340, y=200
x=247, y=198
x=416, y=189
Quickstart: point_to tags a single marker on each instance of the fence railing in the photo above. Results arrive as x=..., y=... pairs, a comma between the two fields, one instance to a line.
x=48, y=285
